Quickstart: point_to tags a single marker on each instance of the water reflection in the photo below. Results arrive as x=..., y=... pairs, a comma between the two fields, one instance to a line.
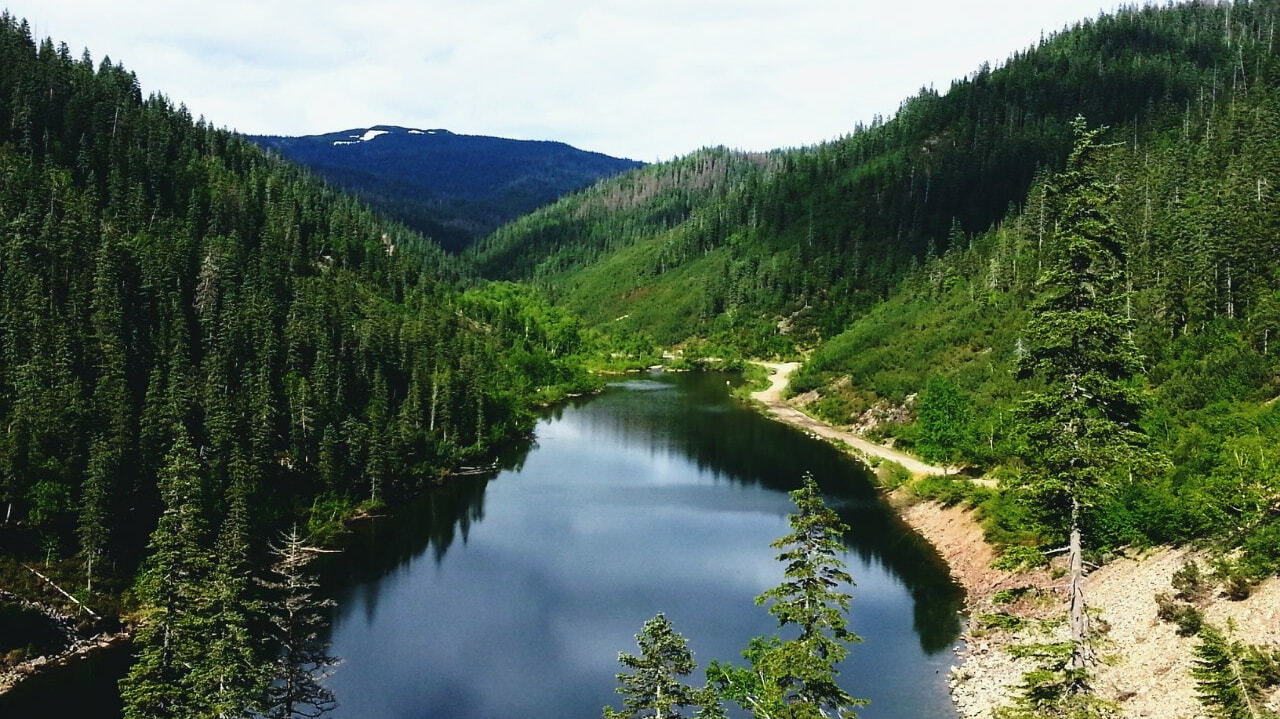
x=661, y=495
x=511, y=593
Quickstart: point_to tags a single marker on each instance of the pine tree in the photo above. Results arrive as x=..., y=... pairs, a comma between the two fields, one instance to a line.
x=797, y=678
x=1082, y=425
x=94, y=528
x=170, y=588
x=298, y=621
x=1231, y=678
x=653, y=687
x=233, y=673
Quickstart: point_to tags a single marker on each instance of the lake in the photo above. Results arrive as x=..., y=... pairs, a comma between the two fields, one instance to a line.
x=513, y=596
x=512, y=593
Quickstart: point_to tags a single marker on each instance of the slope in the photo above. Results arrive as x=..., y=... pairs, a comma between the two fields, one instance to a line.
x=451, y=187
x=166, y=286
x=726, y=244
x=1202, y=231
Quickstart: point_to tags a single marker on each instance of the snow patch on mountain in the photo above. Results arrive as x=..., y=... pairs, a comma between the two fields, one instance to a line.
x=368, y=135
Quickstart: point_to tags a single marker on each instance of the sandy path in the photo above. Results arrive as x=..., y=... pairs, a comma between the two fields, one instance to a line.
x=772, y=399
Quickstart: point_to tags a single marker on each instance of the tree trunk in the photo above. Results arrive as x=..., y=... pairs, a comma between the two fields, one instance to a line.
x=1079, y=620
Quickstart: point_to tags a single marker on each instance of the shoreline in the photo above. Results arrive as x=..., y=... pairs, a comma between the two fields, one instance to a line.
x=781, y=410
x=1144, y=663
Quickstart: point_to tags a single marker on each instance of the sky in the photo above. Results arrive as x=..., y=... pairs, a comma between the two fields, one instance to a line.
x=646, y=79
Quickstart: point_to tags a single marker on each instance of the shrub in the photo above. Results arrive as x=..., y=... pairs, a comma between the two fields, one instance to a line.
x=1188, y=618
x=1190, y=584
x=1017, y=558
x=1237, y=583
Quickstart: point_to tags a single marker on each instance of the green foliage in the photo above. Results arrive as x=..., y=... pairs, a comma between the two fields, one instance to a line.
x=1231, y=677
x=1190, y=584
x=951, y=490
x=1017, y=557
x=169, y=589
x=1001, y=620
x=944, y=431
x=653, y=686
x=1047, y=692
x=1081, y=427
x=1237, y=582
x=1188, y=618
x=1009, y=596
x=797, y=678
x=890, y=474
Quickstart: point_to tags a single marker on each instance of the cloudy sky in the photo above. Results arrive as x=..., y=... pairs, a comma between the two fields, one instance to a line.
x=647, y=79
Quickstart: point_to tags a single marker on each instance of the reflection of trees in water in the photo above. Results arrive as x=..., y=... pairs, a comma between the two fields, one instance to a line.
x=693, y=420
x=433, y=521
x=724, y=437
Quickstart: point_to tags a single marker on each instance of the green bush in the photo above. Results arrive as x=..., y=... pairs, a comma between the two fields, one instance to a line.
x=1017, y=557
x=1188, y=618
x=1001, y=620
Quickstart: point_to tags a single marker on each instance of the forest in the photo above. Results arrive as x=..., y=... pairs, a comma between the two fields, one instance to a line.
x=210, y=360
x=201, y=345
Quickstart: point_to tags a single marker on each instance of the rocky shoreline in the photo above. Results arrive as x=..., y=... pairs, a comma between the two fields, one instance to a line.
x=1143, y=664
x=77, y=646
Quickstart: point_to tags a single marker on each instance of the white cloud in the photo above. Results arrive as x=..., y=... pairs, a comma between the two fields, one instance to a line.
x=643, y=79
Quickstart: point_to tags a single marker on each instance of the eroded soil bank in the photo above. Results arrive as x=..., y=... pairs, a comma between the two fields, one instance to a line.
x=1143, y=664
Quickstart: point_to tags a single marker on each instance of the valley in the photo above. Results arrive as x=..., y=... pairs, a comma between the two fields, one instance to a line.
x=398, y=420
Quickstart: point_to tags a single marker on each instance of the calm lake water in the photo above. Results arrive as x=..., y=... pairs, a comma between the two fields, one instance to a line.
x=512, y=594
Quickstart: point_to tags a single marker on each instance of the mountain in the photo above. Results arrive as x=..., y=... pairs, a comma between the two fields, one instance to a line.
x=910, y=254
x=726, y=244
x=169, y=288
x=453, y=188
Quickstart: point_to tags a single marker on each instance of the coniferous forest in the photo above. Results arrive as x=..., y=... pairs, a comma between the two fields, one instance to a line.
x=203, y=344
x=907, y=256
x=1060, y=276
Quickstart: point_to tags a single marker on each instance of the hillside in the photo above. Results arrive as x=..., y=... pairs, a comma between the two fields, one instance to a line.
x=726, y=244
x=201, y=343
x=453, y=188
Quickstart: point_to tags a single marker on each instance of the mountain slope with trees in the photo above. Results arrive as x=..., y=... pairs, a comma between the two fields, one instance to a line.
x=452, y=187
x=723, y=243
x=199, y=343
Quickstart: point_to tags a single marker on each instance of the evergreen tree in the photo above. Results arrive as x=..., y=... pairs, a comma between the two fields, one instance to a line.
x=170, y=589
x=653, y=687
x=1232, y=678
x=797, y=678
x=298, y=619
x=232, y=676
x=1082, y=426
x=94, y=528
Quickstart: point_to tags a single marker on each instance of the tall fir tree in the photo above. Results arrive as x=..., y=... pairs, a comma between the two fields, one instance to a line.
x=1081, y=426
x=170, y=589
x=233, y=674
x=797, y=678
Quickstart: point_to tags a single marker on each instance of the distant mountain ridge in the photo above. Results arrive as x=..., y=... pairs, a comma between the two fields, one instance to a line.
x=452, y=187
